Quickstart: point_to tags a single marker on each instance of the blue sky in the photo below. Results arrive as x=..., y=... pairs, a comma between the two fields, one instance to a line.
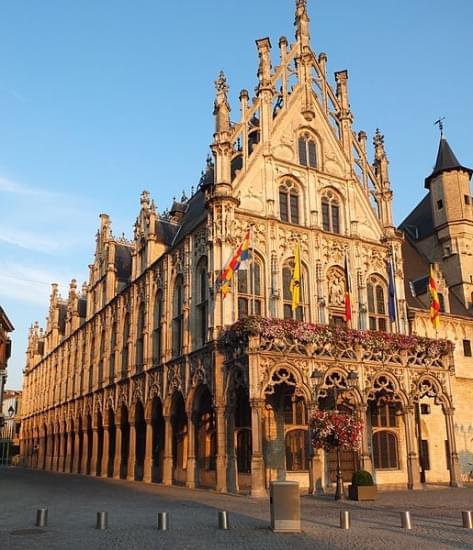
x=100, y=99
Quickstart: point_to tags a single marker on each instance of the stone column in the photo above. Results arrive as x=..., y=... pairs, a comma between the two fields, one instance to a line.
x=413, y=475
x=130, y=471
x=148, y=464
x=455, y=471
x=168, y=457
x=41, y=452
x=75, y=462
x=365, y=458
x=118, y=451
x=49, y=452
x=95, y=450
x=191, y=474
x=258, y=488
x=85, y=451
x=105, y=451
x=221, y=449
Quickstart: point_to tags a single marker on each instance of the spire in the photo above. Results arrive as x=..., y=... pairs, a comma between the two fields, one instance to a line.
x=446, y=161
x=302, y=23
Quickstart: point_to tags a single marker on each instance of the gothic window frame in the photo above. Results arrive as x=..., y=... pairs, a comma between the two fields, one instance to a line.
x=376, y=303
x=331, y=212
x=302, y=313
x=125, y=344
x=250, y=301
x=301, y=437
x=307, y=150
x=290, y=202
x=202, y=301
x=178, y=316
x=113, y=344
x=157, y=327
x=140, y=337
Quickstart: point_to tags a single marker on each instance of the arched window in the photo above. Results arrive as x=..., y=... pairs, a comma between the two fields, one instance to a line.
x=384, y=415
x=92, y=359
x=330, y=213
x=243, y=450
x=101, y=354
x=289, y=202
x=297, y=444
x=113, y=344
x=376, y=304
x=301, y=312
x=158, y=310
x=250, y=289
x=126, y=335
x=140, y=338
x=202, y=302
x=307, y=151
x=294, y=409
x=178, y=316
x=385, y=452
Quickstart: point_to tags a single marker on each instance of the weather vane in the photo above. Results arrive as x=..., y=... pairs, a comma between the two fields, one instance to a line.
x=440, y=123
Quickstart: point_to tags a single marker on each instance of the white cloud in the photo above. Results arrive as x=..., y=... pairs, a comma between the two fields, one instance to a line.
x=9, y=186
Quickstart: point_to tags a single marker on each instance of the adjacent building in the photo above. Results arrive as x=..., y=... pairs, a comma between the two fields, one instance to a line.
x=5, y=351
x=149, y=373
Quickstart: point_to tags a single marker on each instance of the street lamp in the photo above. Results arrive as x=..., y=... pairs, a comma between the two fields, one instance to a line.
x=352, y=381
x=11, y=411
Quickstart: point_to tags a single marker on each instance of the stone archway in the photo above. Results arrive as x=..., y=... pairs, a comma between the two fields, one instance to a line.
x=203, y=418
x=80, y=429
x=179, y=437
x=125, y=441
x=157, y=421
x=140, y=444
x=110, y=415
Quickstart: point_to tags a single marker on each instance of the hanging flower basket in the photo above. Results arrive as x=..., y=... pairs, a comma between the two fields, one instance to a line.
x=331, y=429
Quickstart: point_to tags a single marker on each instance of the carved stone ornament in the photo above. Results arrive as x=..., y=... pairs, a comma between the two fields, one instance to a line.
x=200, y=243
x=336, y=287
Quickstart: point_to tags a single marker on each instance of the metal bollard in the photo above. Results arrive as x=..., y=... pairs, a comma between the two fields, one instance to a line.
x=345, y=522
x=406, y=520
x=41, y=517
x=223, y=522
x=467, y=520
x=163, y=521
x=102, y=520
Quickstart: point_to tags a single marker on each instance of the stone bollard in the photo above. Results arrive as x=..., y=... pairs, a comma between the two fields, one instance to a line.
x=102, y=520
x=163, y=521
x=223, y=522
x=41, y=517
x=406, y=520
x=467, y=520
x=345, y=522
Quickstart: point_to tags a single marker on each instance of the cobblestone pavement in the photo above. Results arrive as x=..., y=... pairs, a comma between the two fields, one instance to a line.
x=73, y=500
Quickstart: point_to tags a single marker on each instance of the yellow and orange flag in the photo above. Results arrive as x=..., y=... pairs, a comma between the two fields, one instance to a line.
x=434, y=300
x=295, y=286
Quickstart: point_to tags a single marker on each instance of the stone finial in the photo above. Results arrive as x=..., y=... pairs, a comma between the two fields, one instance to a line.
x=302, y=23
x=264, y=69
x=221, y=106
x=144, y=200
x=362, y=138
x=378, y=142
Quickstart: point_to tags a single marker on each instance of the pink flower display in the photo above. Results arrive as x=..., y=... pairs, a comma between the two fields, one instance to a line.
x=310, y=333
x=331, y=429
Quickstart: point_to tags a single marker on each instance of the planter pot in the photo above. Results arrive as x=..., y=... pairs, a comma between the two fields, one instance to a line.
x=363, y=492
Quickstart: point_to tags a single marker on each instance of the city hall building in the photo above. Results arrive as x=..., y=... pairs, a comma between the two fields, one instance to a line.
x=148, y=373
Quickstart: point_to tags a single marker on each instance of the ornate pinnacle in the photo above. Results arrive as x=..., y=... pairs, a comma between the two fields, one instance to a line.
x=221, y=83
x=144, y=200
x=302, y=22
x=378, y=140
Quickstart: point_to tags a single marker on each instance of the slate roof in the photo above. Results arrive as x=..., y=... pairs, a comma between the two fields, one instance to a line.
x=419, y=223
x=446, y=160
x=194, y=215
x=123, y=261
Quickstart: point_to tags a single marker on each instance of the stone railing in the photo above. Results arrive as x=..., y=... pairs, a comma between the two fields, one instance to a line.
x=326, y=342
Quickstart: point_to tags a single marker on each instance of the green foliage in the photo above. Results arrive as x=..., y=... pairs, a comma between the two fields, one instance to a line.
x=362, y=478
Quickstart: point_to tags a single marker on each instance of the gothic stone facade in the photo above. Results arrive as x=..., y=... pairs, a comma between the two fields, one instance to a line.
x=135, y=376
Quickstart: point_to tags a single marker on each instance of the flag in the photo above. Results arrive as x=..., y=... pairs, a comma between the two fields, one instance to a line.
x=239, y=260
x=347, y=291
x=295, y=286
x=391, y=292
x=434, y=300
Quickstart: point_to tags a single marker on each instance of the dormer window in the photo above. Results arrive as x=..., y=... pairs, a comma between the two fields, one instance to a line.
x=307, y=151
x=289, y=203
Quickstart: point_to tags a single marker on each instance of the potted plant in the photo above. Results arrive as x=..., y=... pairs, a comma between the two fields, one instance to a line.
x=362, y=486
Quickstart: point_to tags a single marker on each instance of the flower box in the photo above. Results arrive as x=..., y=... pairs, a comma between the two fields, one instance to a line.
x=362, y=492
